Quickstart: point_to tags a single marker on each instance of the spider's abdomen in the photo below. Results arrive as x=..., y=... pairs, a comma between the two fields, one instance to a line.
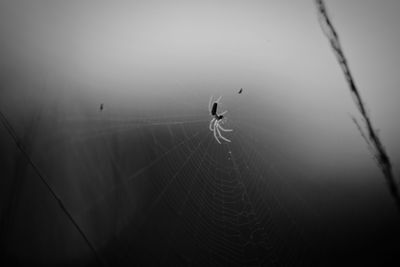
x=214, y=109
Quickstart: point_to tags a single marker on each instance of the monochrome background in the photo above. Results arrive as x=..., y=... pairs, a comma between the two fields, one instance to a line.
x=145, y=179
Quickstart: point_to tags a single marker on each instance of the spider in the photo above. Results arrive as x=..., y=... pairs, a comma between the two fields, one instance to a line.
x=217, y=120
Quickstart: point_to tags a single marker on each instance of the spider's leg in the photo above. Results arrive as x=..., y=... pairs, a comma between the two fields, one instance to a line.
x=223, y=129
x=215, y=131
x=209, y=104
x=220, y=135
x=223, y=113
x=219, y=98
x=212, y=125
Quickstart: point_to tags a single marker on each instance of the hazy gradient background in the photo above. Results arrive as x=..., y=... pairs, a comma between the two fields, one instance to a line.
x=161, y=61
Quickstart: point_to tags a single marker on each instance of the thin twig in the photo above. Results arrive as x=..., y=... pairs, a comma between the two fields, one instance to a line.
x=374, y=142
x=20, y=146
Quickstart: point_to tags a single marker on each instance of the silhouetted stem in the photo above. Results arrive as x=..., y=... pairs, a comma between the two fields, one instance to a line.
x=374, y=142
x=20, y=146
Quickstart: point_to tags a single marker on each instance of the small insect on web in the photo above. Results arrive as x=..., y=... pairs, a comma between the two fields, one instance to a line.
x=217, y=120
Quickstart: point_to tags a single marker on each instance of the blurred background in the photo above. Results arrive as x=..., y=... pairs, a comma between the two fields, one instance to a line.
x=144, y=177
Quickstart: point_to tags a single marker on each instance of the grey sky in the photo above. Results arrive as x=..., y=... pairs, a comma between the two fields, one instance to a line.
x=142, y=52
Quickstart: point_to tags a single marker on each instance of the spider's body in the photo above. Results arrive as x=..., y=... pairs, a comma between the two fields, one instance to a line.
x=220, y=117
x=214, y=109
x=214, y=112
x=215, y=123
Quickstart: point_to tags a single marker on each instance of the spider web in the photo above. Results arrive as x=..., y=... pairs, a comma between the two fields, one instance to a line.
x=160, y=190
